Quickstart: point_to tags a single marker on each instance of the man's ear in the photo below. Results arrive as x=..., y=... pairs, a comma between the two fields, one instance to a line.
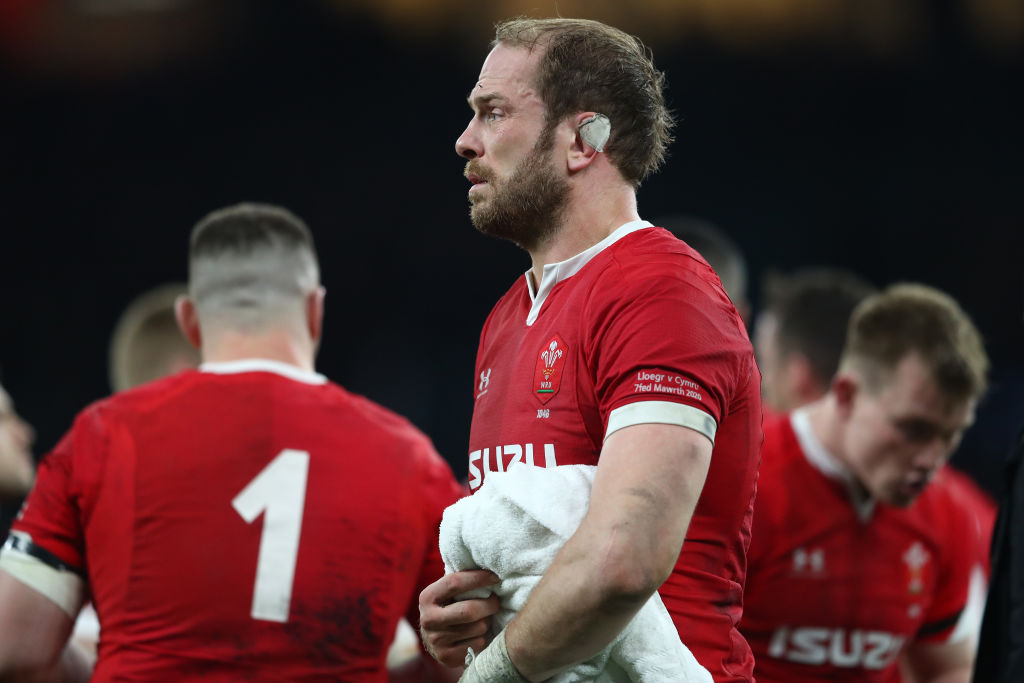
x=845, y=387
x=315, y=313
x=801, y=381
x=188, y=320
x=581, y=152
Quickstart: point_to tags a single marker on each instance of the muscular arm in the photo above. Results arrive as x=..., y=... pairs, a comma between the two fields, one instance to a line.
x=940, y=662
x=648, y=481
x=33, y=637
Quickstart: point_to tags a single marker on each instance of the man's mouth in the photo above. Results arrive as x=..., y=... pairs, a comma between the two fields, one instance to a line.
x=914, y=487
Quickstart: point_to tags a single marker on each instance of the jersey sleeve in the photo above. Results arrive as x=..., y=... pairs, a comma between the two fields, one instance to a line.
x=50, y=515
x=440, y=489
x=666, y=347
x=950, y=606
x=46, y=548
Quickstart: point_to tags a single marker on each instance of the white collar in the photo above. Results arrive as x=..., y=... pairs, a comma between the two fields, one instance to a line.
x=263, y=365
x=826, y=463
x=553, y=273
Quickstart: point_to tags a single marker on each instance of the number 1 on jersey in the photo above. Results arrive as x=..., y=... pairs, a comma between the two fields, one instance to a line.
x=279, y=491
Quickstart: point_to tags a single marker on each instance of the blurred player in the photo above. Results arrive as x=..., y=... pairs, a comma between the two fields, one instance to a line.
x=799, y=336
x=246, y=520
x=857, y=556
x=618, y=348
x=147, y=343
x=800, y=331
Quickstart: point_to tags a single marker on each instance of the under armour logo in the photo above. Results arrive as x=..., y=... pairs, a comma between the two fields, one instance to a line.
x=813, y=561
x=485, y=379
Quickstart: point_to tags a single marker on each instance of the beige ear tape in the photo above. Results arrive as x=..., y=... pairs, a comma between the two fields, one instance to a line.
x=595, y=131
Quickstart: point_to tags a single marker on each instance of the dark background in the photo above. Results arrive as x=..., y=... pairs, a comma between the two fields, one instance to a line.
x=885, y=140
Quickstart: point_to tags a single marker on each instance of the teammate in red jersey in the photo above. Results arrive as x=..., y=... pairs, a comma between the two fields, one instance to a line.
x=247, y=520
x=618, y=348
x=857, y=558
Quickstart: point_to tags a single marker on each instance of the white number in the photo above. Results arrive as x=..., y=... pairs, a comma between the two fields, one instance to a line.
x=279, y=490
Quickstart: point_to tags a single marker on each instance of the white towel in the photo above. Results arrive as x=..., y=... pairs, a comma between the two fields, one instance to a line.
x=513, y=526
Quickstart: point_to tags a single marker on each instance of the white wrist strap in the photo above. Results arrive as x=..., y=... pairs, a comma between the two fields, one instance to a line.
x=492, y=665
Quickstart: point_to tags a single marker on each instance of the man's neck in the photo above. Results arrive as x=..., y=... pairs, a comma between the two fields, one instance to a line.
x=226, y=346
x=827, y=427
x=589, y=218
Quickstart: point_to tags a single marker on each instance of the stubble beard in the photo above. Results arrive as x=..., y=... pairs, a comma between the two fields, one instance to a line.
x=528, y=207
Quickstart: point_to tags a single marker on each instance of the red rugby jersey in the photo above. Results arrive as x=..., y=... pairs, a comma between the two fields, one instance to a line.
x=635, y=330
x=835, y=593
x=981, y=506
x=244, y=522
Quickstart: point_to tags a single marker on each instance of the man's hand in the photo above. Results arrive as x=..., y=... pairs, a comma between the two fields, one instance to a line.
x=448, y=628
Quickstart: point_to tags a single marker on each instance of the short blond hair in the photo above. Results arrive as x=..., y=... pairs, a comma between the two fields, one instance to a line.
x=146, y=343
x=911, y=318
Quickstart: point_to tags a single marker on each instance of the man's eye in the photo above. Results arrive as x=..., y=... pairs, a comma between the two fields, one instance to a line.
x=492, y=115
x=915, y=431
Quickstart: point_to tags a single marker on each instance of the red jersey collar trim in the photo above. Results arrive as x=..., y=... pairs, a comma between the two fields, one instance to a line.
x=563, y=270
x=826, y=463
x=235, y=367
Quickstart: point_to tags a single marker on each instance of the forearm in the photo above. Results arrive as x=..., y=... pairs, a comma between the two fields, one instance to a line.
x=73, y=666
x=576, y=610
x=641, y=503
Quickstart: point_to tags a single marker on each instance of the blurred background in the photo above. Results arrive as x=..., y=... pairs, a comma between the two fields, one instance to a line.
x=884, y=137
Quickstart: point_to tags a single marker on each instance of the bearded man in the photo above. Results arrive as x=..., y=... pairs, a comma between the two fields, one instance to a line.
x=618, y=348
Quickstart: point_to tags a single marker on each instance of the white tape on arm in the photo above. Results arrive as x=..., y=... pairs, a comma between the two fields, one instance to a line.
x=662, y=412
x=65, y=588
x=492, y=665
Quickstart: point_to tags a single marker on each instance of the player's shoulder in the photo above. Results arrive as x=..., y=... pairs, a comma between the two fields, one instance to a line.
x=376, y=416
x=142, y=399
x=512, y=299
x=783, y=467
x=647, y=262
x=657, y=251
x=780, y=442
x=377, y=422
x=653, y=264
x=944, y=504
x=967, y=491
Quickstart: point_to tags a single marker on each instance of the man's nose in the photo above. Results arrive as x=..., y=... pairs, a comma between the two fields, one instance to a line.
x=468, y=144
x=933, y=455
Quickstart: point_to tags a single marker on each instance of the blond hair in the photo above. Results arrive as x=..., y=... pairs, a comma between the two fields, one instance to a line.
x=911, y=318
x=146, y=343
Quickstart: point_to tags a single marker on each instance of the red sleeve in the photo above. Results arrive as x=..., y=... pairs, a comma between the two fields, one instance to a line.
x=440, y=489
x=669, y=335
x=52, y=514
x=954, y=573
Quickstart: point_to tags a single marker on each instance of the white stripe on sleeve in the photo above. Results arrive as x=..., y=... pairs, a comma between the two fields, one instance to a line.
x=65, y=588
x=662, y=412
